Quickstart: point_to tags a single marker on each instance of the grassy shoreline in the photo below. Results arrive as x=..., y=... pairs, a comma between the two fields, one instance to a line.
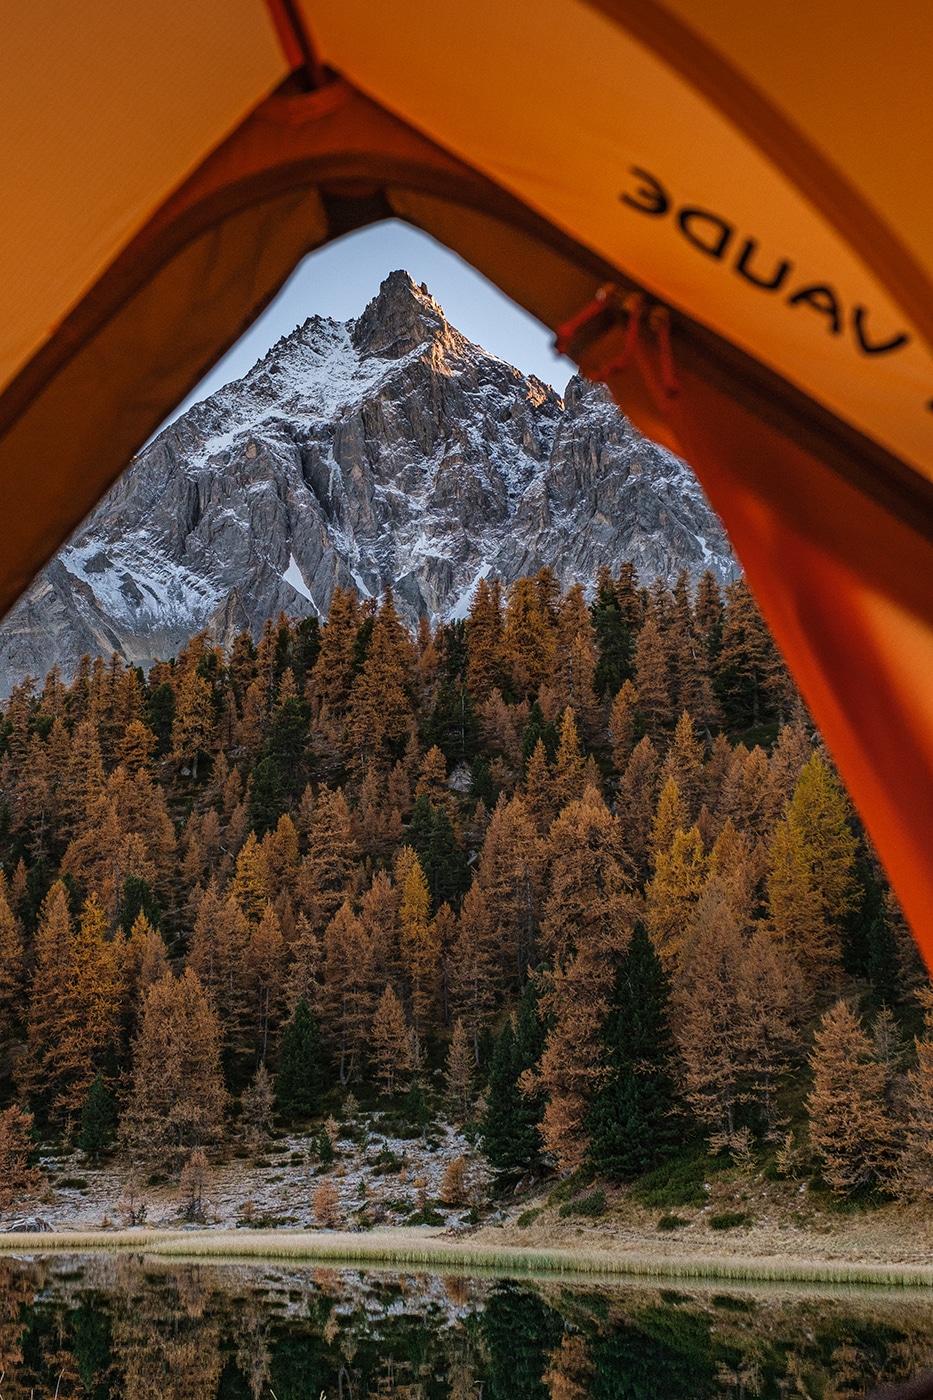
x=407, y=1249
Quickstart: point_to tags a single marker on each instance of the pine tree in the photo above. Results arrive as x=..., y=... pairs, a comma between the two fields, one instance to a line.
x=613, y=638
x=178, y=1098
x=510, y=1128
x=98, y=1119
x=748, y=672
x=299, y=1076
x=632, y=1123
x=849, y=1122
x=266, y=795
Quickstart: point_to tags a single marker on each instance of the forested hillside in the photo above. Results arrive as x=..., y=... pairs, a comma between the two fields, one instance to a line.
x=581, y=875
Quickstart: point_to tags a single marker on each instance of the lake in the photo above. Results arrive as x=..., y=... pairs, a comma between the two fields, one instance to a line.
x=134, y=1326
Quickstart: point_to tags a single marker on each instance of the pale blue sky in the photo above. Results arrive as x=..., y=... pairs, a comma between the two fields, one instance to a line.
x=342, y=277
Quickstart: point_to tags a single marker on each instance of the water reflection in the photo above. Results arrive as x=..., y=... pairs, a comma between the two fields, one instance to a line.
x=137, y=1328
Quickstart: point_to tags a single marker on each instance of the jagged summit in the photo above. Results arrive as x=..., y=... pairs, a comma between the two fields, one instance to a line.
x=401, y=317
x=387, y=449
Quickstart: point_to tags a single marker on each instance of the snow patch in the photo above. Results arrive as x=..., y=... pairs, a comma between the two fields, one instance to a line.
x=295, y=577
x=460, y=610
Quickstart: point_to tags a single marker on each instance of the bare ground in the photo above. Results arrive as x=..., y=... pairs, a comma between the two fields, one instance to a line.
x=265, y=1205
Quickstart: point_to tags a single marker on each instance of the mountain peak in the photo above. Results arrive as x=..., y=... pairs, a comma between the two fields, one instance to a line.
x=399, y=318
x=386, y=450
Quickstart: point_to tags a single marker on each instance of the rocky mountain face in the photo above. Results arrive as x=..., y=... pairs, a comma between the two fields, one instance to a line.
x=389, y=449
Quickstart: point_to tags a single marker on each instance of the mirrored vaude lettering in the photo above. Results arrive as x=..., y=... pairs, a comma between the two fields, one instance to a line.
x=719, y=238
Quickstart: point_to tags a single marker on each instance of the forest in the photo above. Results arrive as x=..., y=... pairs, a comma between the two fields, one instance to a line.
x=578, y=875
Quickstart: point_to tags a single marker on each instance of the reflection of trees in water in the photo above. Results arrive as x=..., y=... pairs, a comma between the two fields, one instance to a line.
x=144, y=1329
x=165, y=1338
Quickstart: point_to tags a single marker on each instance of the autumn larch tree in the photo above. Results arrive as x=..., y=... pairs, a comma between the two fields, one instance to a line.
x=811, y=881
x=637, y=798
x=12, y=968
x=473, y=965
x=17, y=1177
x=510, y=874
x=459, y=1071
x=193, y=723
x=74, y=1010
x=348, y=998
x=418, y=943
x=178, y=1098
x=528, y=637
x=679, y=876
x=736, y=999
x=484, y=640
x=391, y=1042
x=380, y=702
x=653, y=677
x=263, y=976
x=632, y=1122
x=849, y=1122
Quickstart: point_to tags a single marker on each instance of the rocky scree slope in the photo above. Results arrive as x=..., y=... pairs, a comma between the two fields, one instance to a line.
x=389, y=449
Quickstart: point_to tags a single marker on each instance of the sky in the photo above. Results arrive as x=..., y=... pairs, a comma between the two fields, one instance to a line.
x=339, y=279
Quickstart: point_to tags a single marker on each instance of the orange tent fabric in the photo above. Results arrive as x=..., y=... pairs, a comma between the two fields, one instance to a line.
x=756, y=177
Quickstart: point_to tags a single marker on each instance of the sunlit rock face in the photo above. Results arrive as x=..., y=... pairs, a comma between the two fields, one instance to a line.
x=388, y=449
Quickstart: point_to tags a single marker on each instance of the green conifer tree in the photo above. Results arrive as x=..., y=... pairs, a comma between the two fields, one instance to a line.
x=299, y=1080
x=632, y=1122
x=511, y=1124
x=98, y=1119
x=266, y=796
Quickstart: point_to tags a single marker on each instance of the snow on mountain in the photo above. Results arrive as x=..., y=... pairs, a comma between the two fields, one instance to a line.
x=387, y=449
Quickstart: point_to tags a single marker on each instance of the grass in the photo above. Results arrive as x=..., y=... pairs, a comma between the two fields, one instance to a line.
x=528, y=1217
x=439, y=1254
